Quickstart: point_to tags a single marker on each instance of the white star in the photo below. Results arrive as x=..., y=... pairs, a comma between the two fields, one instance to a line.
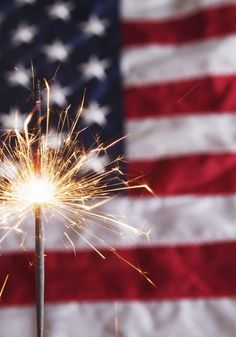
x=58, y=94
x=57, y=51
x=94, y=68
x=23, y=34
x=60, y=10
x=95, y=26
x=94, y=163
x=25, y=2
x=14, y=120
x=55, y=139
x=19, y=76
x=95, y=114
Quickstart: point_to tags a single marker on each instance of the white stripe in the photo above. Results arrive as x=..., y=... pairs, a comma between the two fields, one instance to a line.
x=171, y=220
x=195, y=318
x=155, y=64
x=152, y=138
x=180, y=220
x=165, y=9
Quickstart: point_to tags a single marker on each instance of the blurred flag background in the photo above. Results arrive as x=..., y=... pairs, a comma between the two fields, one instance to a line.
x=162, y=71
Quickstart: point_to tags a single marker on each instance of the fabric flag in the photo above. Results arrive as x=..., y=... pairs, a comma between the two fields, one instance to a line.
x=163, y=72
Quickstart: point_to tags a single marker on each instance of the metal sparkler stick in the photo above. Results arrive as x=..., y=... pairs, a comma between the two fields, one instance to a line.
x=39, y=252
x=39, y=230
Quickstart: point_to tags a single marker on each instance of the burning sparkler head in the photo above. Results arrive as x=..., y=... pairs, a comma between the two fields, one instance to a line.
x=36, y=190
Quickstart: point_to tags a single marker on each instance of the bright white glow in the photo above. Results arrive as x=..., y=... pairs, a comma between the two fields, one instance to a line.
x=36, y=190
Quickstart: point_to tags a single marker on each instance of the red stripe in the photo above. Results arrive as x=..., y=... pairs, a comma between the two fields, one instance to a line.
x=179, y=272
x=205, y=24
x=196, y=174
x=212, y=94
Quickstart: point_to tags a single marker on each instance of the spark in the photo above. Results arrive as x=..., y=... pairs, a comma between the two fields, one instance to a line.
x=4, y=285
x=116, y=320
x=189, y=92
x=64, y=187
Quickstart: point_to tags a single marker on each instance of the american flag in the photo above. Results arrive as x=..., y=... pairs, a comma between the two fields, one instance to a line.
x=162, y=71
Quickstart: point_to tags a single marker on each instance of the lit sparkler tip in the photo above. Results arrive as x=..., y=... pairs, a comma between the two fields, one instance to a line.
x=36, y=190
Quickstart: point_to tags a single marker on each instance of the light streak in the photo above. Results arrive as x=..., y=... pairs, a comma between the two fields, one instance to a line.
x=116, y=320
x=4, y=285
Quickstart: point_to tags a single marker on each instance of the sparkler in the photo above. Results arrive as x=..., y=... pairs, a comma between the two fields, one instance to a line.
x=45, y=180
